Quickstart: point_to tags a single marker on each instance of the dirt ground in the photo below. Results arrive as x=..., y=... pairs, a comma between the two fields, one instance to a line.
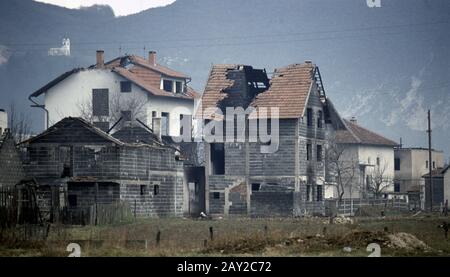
x=312, y=236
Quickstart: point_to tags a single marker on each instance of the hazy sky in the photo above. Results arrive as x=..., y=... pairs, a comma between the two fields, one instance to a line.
x=120, y=7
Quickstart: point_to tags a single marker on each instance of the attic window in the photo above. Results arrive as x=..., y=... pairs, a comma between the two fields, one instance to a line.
x=168, y=85
x=125, y=86
x=178, y=87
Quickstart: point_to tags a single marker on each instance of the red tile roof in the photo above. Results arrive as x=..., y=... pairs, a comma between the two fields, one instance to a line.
x=355, y=134
x=149, y=87
x=288, y=91
x=141, y=73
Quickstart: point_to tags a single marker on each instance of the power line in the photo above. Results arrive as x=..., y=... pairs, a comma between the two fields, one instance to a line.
x=264, y=35
x=239, y=43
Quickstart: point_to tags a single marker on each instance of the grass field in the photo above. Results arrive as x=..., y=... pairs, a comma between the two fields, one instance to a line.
x=396, y=235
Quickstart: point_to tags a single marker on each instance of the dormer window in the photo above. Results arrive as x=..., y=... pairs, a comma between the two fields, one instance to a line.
x=168, y=85
x=178, y=87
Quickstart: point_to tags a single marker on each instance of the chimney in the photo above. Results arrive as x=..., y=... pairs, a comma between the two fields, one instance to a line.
x=156, y=122
x=152, y=58
x=100, y=59
x=353, y=120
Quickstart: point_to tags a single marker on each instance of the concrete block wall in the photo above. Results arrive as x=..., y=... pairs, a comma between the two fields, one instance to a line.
x=11, y=169
x=167, y=203
x=272, y=204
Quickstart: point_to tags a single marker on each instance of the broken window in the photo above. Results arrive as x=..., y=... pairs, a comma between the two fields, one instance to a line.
x=144, y=190
x=216, y=195
x=308, y=192
x=308, y=152
x=309, y=117
x=320, y=119
x=72, y=198
x=153, y=117
x=168, y=85
x=65, y=158
x=155, y=189
x=126, y=115
x=397, y=164
x=178, y=87
x=185, y=119
x=319, y=193
x=256, y=186
x=125, y=86
x=165, y=124
x=100, y=102
x=319, y=153
x=217, y=159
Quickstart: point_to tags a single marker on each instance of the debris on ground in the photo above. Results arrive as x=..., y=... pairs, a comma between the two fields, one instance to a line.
x=406, y=241
x=347, y=249
x=343, y=220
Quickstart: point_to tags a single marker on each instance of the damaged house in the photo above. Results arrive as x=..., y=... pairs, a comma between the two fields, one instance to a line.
x=93, y=167
x=243, y=178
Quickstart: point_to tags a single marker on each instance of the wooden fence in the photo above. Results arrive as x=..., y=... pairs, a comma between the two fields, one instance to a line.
x=98, y=214
x=348, y=207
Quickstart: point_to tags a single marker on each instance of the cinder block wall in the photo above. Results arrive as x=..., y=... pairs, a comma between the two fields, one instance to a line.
x=11, y=169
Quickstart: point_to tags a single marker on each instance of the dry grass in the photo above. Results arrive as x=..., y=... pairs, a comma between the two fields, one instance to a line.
x=241, y=237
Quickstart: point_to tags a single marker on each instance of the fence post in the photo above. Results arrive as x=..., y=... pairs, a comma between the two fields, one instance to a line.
x=158, y=238
x=211, y=233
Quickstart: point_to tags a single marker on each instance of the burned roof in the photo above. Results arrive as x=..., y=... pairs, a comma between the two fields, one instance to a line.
x=241, y=85
x=355, y=134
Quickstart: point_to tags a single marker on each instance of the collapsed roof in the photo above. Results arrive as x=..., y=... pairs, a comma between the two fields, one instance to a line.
x=241, y=85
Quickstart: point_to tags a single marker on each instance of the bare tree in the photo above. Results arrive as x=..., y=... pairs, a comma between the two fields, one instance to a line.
x=119, y=105
x=379, y=181
x=341, y=167
x=19, y=123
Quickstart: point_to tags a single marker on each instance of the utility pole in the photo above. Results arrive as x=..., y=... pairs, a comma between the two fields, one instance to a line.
x=430, y=161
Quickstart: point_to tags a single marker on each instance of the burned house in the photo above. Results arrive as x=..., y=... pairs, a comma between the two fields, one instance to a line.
x=243, y=177
x=93, y=167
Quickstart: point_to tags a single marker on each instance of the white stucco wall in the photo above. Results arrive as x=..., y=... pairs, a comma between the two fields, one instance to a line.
x=447, y=185
x=413, y=166
x=3, y=121
x=65, y=98
x=369, y=154
x=360, y=154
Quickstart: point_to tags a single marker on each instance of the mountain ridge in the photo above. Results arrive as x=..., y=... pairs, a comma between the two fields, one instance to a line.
x=386, y=66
